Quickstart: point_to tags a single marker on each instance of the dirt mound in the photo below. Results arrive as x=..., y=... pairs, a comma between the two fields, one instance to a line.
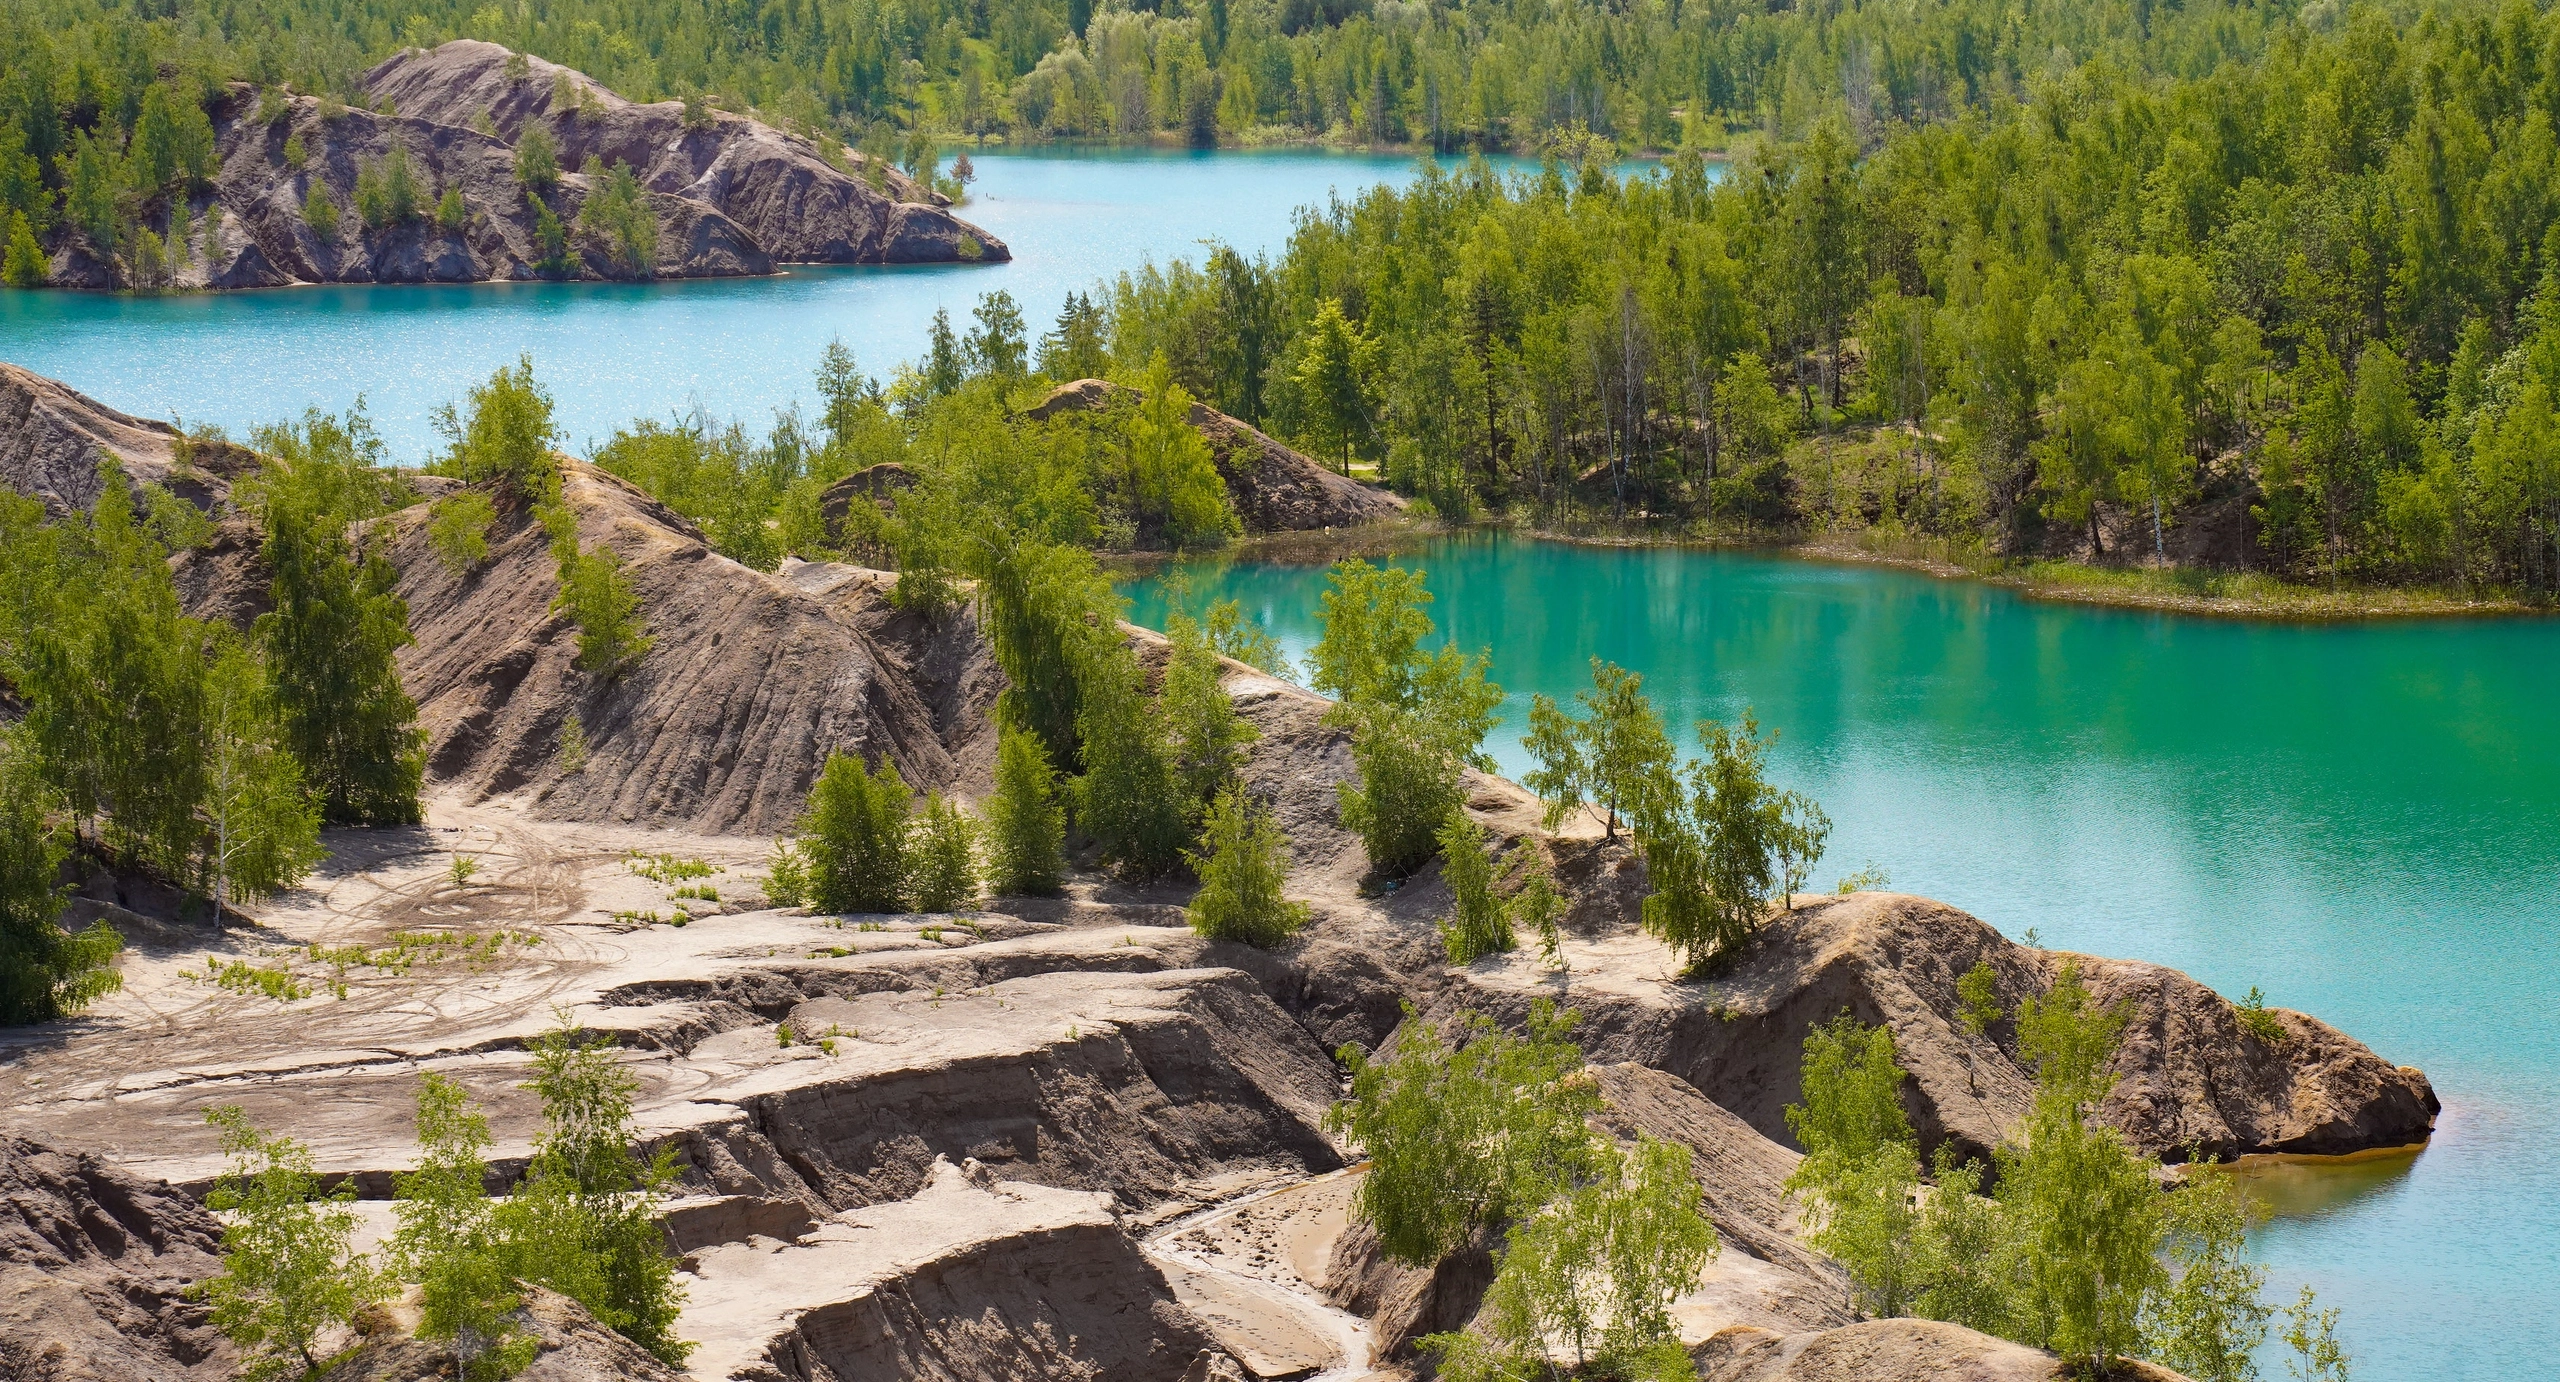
x=572, y=1348
x=2187, y=1073
x=1275, y=489
x=723, y=725
x=52, y=438
x=93, y=1266
x=793, y=205
x=1889, y=1351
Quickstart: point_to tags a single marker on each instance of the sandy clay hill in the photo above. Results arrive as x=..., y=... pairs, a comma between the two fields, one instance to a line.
x=730, y=195
x=1059, y=1138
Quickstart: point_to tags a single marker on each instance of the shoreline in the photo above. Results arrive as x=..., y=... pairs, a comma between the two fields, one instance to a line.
x=2252, y=596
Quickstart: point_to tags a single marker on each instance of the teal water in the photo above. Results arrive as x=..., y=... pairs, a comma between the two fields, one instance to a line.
x=739, y=348
x=2362, y=819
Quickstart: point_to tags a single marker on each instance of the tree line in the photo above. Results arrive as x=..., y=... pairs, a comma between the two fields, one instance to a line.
x=210, y=756
x=2307, y=299
x=188, y=750
x=1490, y=74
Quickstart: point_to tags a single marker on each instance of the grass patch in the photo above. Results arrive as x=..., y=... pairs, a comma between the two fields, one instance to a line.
x=667, y=868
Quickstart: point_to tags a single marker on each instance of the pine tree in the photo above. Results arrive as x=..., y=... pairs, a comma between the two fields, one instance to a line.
x=1026, y=822
x=853, y=837
x=1243, y=865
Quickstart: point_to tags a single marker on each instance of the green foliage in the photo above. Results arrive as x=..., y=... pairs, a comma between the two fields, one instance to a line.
x=1243, y=865
x=289, y=1274
x=449, y=1240
x=2257, y=1020
x=2208, y=1322
x=537, y=160
x=2078, y=1252
x=612, y=637
x=550, y=240
x=1233, y=635
x=1978, y=998
x=45, y=972
x=1537, y=905
x=715, y=476
x=320, y=213
x=1044, y=607
x=1417, y=722
x=1026, y=823
x=25, y=265
x=335, y=625
x=451, y=215
x=585, y=1220
x=1479, y=922
x=504, y=440
x=458, y=529
x=2311, y=1334
x=387, y=191
x=786, y=881
x=619, y=212
x=1861, y=1162
x=1614, y=757
x=853, y=837
x=262, y=828
x=1599, y=1269
x=1202, y=729
x=173, y=522
x=1335, y=369
x=1129, y=800
x=1718, y=846
x=942, y=853
x=1466, y=1129
x=1171, y=475
x=89, y=189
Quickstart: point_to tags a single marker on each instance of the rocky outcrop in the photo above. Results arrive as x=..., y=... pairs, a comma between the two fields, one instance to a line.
x=792, y=203
x=752, y=681
x=2189, y=1076
x=733, y=197
x=94, y=1265
x=1275, y=489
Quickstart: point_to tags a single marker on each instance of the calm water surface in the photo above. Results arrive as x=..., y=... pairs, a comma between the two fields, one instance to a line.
x=2364, y=820
x=739, y=347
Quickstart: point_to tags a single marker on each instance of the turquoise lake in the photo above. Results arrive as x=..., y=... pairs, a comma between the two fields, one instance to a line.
x=740, y=348
x=2362, y=819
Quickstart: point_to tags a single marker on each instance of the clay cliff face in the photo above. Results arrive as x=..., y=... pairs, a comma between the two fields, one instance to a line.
x=736, y=198
x=792, y=202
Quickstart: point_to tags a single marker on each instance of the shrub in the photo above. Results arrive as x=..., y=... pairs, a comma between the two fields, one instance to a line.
x=1243, y=864
x=45, y=971
x=387, y=191
x=854, y=837
x=594, y=594
x=458, y=529
x=1466, y=1134
x=1206, y=734
x=942, y=852
x=537, y=159
x=289, y=1275
x=450, y=212
x=1479, y=922
x=1129, y=799
x=1026, y=823
x=505, y=439
x=25, y=265
x=619, y=212
x=320, y=212
x=449, y=1241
